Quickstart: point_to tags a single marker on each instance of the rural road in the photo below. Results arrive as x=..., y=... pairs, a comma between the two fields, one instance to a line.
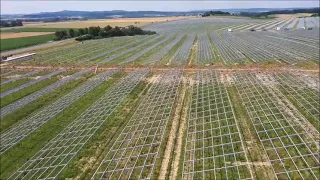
x=32, y=48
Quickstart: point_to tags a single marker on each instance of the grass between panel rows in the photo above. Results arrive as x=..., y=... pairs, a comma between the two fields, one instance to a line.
x=13, y=84
x=256, y=155
x=167, y=57
x=26, y=110
x=26, y=91
x=125, y=56
x=19, y=154
x=301, y=109
x=144, y=57
x=89, y=158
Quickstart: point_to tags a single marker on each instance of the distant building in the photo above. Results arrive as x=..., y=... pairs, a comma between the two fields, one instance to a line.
x=229, y=30
x=278, y=28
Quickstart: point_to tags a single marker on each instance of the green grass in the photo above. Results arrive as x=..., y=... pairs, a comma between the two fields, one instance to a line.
x=19, y=154
x=193, y=55
x=14, y=43
x=301, y=108
x=167, y=57
x=26, y=110
x=26, y=91
x=29, y=29
x=216, y=54
x=13, y=84
x=104, y=138
x=144, y=57
x=127, y=55
x=255, y=154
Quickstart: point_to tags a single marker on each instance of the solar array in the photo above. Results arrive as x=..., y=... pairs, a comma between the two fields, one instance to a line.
x=20, y=77
x=205, y=51
x=204, y=98
x=19, y=131
x=307, y=98
x=141, y=53
x=161, y=53
x=181, y=56
x=111, y=58
x=136, y=150
x=57, y=153
x=293, y=153
x=36, y=95
x=214, y=146
x=49, y=75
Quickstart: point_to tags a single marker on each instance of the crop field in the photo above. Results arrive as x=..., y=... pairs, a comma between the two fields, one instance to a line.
x=10, y=35
x=14, y=43
x=194, y=101
x=112, y=22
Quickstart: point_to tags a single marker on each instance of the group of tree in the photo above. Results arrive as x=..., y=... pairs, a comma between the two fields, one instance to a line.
x=212, y=13
x=315, y=15
x=11, y=23
x=95, y=32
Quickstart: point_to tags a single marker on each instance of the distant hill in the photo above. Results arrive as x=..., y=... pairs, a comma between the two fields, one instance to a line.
x=131, y=14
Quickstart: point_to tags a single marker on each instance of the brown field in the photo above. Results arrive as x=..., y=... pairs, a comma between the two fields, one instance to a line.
x=293, y=15
x=10, y=35
x=104, y=22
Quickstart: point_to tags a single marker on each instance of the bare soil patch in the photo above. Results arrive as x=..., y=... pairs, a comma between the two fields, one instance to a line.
x=181, y=130
x=170, y=143
x=10, y=35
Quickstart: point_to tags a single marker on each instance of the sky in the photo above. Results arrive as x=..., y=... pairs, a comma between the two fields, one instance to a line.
x=27, y=7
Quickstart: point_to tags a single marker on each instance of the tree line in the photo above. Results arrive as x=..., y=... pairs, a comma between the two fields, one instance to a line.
x=95, y=32
x=212, y=13
x=11, y=23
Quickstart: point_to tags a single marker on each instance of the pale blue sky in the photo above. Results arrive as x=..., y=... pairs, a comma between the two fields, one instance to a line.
x=25, y=7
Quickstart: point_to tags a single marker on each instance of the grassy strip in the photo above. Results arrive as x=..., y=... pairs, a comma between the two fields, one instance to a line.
x=194, y=52
x=253, y=147
x=13, y=84
x=14, y=43
x=89, y=158
x=29, y=29
x=167, y=57
x=157, y=166
x=217, y=56
x=19, y=154
x=26, y=110
x=26, y=91
x=184, y=137
x=185, y=110
x=296, y=25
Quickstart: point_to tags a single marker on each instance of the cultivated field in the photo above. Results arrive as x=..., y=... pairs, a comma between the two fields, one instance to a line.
x=102, y=23
x=9, y=35
x=193, y=101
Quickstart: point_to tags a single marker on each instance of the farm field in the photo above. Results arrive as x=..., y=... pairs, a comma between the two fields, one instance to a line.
x=103, y=22
x=22, y=34
x=20, y=42
x=194, y=101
